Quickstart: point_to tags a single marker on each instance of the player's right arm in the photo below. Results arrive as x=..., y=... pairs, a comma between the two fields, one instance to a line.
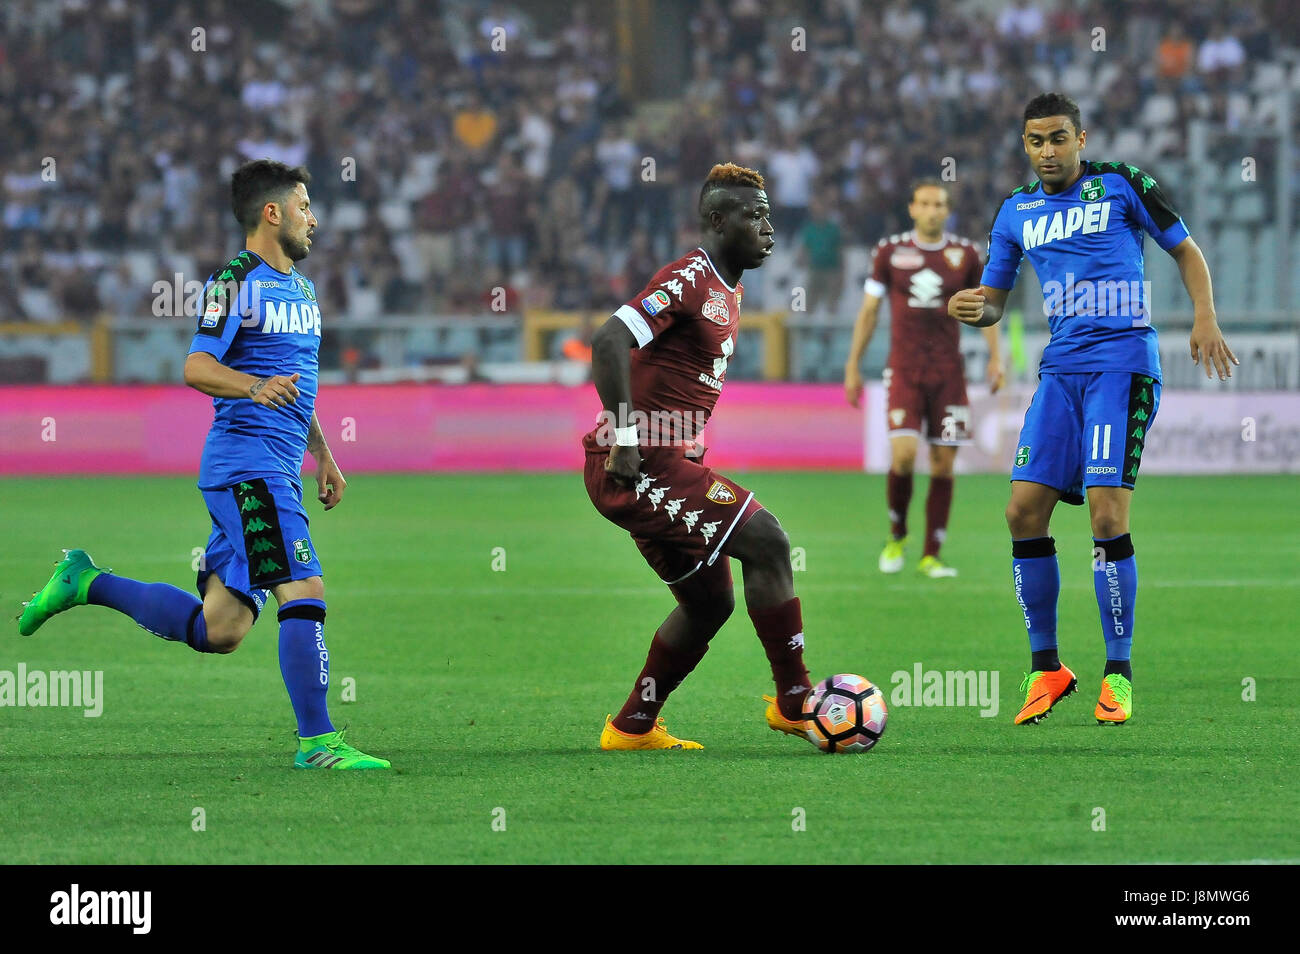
x=227, y=299
x=873, y=290
x=205, y=373
x=868, y=313
x=611, y=372
x=982, y=306
x=978, y=307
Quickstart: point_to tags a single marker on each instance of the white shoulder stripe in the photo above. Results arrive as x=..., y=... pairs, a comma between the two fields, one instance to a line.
x=635, y=324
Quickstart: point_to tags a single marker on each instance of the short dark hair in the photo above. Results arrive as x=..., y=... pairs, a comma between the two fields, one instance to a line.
x=1054, y=104
x=929, y=183
x=258, y=182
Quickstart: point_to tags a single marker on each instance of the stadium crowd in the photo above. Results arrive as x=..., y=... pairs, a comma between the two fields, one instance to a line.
x=444, y=166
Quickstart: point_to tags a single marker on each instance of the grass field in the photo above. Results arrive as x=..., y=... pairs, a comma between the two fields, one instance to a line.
x=487, y=689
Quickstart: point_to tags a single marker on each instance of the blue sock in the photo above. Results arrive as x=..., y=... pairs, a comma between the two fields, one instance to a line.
x=1038, y=584
x=1115, y=578
x=160, y=608
x=305, y=664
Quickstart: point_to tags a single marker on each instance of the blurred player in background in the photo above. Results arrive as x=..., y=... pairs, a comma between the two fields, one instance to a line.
x=662, y=358
x=255, y=351
x=1081, y=226
x=925, y=377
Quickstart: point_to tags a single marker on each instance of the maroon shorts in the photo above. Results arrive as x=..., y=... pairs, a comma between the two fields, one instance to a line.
x=936, y=396
x=680, y=513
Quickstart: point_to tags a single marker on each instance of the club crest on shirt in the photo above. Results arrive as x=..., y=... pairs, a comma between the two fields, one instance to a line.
x=301, y=552
x=720, y=493
x=306, y=288
x=954, y=256
x=715, y=309
x=1092, y=190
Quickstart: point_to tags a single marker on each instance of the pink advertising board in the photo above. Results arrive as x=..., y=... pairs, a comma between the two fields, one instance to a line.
x=413, y=428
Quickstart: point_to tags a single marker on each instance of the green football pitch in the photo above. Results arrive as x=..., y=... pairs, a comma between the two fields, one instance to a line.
x=486, y=624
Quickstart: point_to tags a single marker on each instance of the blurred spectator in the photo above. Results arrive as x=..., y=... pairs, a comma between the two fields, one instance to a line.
x=820, y=248
x=1220, y=55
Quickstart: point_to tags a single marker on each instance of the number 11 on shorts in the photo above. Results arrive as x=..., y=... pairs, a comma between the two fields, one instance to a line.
x=1102, y=434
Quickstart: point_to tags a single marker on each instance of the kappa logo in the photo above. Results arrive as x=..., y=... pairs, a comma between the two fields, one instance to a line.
x=690, y=518
x=643, y=484
x=656, y=497
x=720, y=493
x=709, y=529
x=673, y=506
x=954, y=256
x=715, y=309
x=1026, y=206
x=896, y=416
x=796, y=641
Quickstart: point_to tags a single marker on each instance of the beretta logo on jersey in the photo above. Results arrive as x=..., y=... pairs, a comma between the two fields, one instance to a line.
x=656, y=302
x=1092, y=190
x=906, y=258
x=954, y=256
x=715, y=309
x=720, y=493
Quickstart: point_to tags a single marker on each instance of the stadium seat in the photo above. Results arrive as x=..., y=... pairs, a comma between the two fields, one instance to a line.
x=1248, y=206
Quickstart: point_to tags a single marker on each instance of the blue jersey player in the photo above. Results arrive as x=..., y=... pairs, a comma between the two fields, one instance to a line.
x=255, y=352
x=1082, y=226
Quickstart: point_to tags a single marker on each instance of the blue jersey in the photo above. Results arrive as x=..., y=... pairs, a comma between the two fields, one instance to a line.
x=262, y=322
x=1086, y=247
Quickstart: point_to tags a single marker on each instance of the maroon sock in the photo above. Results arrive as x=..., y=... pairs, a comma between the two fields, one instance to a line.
x=664, y=670
x=899, y=496
x=780, y=630
x=937, y=505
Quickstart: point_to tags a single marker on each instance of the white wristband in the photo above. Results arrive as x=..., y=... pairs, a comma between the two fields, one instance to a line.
x=625, y=436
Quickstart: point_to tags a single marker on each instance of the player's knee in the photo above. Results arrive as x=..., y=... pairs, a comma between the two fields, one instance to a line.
x=1106, y=525
x=1024, y=521
x=773, y=542
x=712, y=612
x=225, y=635
x=904, y=464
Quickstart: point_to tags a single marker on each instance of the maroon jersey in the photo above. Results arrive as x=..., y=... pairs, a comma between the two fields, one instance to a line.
x=685, y=322
x=918, y=280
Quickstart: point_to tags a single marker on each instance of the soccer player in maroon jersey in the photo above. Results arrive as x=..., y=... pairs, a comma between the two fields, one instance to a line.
x=659, y=365
x=925, y=378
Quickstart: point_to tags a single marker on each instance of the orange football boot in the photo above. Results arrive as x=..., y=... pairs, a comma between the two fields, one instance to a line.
x=1042, y=691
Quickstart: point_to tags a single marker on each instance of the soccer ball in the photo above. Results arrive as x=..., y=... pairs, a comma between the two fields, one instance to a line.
x=845, y=713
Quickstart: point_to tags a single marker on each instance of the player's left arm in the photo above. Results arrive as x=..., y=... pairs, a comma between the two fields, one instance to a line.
x=329, y=479
x=1207, y=340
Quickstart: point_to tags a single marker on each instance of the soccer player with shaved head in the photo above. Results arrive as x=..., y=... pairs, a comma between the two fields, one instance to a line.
x=255, y=352
x=659, y=365
x=1081, y=224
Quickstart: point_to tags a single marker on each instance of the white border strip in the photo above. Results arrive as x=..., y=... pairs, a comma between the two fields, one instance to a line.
x=714, y=556
x=635, y=324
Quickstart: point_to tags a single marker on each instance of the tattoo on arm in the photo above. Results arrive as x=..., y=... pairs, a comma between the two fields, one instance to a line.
x=257, y=386
x=315, y=436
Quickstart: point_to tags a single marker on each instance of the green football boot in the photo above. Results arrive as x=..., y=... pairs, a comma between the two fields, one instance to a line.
x=329, y=751
x=67, y=588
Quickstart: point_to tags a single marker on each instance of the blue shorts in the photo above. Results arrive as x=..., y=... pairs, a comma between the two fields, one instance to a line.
x=1086, y=429
x=259, y=538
